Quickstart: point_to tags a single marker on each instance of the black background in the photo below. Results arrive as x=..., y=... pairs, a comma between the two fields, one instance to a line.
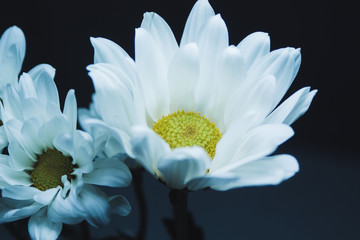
x=322, y=200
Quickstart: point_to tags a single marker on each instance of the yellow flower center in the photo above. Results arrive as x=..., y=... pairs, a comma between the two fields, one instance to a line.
x=51, y=165
x=181, y=129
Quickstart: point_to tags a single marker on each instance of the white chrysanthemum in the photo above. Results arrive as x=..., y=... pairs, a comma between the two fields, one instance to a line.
x=200, y=114
x=50, y=171
x=12, y=52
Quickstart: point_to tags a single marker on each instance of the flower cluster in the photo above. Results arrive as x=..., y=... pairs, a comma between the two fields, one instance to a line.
x=199, y=114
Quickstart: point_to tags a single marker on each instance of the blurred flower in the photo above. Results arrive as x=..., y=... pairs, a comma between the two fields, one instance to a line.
x=12, y=52
x=202, y=114
x=50, y=171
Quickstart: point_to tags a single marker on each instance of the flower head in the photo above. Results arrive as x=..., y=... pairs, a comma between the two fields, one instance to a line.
x=50, y=171
x=199, y=114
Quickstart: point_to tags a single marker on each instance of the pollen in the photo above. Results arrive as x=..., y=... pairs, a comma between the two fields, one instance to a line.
x=186, y=129
x=49, y=169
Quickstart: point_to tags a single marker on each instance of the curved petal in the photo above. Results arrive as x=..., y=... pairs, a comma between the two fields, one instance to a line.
x=265, y=171
x=107, y=51
x=27, y=87
x=20, y=192
x=161, y=33
x=254, y=46
x=14, y=177
x=13, y=210
x=53, y=128
x=19, y=159
x=70, y=110
x=293, y=107
x=213, y=40
x=30, y=132
x=148, y=147
x=46, y=197
x=41, y=228
x=258, y=142
x=65, y=144
x=12, y=49
x=209, y=180
x=43, y=77
x=120, y=205
x=152, y=70
x=96, y=204
x=199, y=15
x=109, y=172
x=183, y=76
x=182, y=165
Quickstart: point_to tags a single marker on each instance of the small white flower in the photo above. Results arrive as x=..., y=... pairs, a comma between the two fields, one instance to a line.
x=50, y=171
x=12, y=52
x=202, y=114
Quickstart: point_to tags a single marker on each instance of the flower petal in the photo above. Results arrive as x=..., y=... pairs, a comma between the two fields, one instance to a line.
x=96, y=204
x=43, y=75
x=107, y=51
x=152, y=70
x=185, y=63
x=53, y=128
x=182, y=165
x=293, y=107
x=147, y=148
x=199, y=15
x=254, y=46
x=266, y=171
x=41, y=228
x=19, y=160
x=12, y=49
x=13, y=210
x=70, y=110
x=19, y=192
x=64, y=143
x=120, y=205
x=27, y=87
x=161, y=33
x=209, y=180
x=14, y=177
x=46, y=197
x=109, y=172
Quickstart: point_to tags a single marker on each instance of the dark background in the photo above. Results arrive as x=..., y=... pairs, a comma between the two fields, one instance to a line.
x=322, y=200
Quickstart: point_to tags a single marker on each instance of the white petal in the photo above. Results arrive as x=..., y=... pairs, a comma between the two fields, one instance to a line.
x=113, y=99
x=213, y=40
x=11, y=100
x=258, y=142
x=107, y=51
x=183, y=76
x=109, y=172
x=53, y=128
x=161, y=33
x=19, y=192
x=199, y=15
x=19, y=160
x=152, y=70
x=46, y=89
x=120, y=205
x=254, y=46
x=27, y=86
x=13, y=177
x=41, y=228
x=266, y=171
x=182, y=165
x=293, y=107
x=209, y=180
x=46, y=197
x=257, y=100
x=279, y=63
x=68, y=210
x=30, y=131
x=70, y=110
x=148, y=147
x=96, y=204
x=12, y=49
x=12, y=210
x=3, y=138
x=64, y=143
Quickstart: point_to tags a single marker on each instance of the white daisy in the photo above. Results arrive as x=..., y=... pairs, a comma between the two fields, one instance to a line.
x=202, y=114
x=12, y=52
x=50, y=171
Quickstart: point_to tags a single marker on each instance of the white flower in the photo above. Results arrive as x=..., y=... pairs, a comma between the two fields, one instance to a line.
x=50, y=171
x=12, y=52
x=201, y=114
